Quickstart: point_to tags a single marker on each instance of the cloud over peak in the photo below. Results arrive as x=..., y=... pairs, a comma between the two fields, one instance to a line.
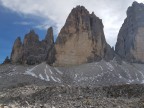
x=55, y=12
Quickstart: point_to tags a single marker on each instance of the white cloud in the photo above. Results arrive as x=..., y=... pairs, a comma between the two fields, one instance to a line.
x=23, y=23
x=112, y=12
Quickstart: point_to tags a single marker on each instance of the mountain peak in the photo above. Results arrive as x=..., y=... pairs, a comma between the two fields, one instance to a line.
x=32, y=51
x=16, y=54
x=80, y=9
x=130, y=38
x=135, y=3
x=135, y=8
x=81, y=40
x=32, y=31
x=49, y=36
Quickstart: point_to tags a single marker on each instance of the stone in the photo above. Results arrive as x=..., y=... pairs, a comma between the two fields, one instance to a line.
x=32, y=50
x=81, y=40
x=49, y=36
x=7, y=60
x=16, y=55
x=130, y=40
x=48, y=42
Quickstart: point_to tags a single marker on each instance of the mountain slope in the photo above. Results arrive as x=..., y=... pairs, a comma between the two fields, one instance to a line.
x=92, y=74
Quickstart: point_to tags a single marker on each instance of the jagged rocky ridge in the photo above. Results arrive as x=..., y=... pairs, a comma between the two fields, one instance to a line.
x=130, y=42
x=32, y=51
x=81, y=40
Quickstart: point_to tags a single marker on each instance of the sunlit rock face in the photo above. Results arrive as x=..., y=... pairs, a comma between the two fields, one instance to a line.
x=81, y=40
x=130, y=42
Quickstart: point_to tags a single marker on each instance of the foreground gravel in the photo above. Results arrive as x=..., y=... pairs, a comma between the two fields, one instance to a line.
x=66, y=96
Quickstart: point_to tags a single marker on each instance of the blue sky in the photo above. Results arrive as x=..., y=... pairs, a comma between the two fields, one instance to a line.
x=13, y=25
x=17, y=17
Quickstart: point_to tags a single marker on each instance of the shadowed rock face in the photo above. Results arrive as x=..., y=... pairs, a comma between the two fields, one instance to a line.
x=130, y=40
x=32, y=51
x=81, y=40
x=49, y=36
x=7, y=60
x=31, y=48
x=16, y=55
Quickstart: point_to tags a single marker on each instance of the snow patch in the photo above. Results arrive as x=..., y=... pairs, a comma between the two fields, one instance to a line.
x=120, y=76
x=46, y=66
x=126, y=71
x=29, y=72
x=142, y=82
x=110, y=67
x=101, y=68
x=58, y=71
x=58, y=80
x=141, y=74
x=75, y=76
x=53, y=79
x=13, y=73
x=14, y=69
x=130, y=81
x=50, y=71
x=47, y=77
x=137, y=77
x=41, y=77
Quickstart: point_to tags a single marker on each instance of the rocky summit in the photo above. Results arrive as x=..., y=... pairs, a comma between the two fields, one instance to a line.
x=32, y=51
x=16, y=55
x=81, y=40
x=130, y=40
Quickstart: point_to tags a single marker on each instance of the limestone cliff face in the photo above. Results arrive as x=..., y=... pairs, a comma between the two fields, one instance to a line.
x=130, y=42
x=16, y=55
x=49, y=36
x=81, y=40
x=48, y=42
x=32, y=51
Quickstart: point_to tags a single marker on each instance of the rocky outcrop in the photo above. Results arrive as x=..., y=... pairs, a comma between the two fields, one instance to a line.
x=130, y=40
x=32, y=51
x=49, y=39
x=16, y=55
x=81, y=40
x=7, y=60
x=48, y=42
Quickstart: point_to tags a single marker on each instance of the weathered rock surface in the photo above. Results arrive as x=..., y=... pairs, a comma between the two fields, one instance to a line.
x=81, y=40
x=130, y=40
x=16, y=55
x=120, y=96
x=32, y=51
x=7, y=60
x=72, y=87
